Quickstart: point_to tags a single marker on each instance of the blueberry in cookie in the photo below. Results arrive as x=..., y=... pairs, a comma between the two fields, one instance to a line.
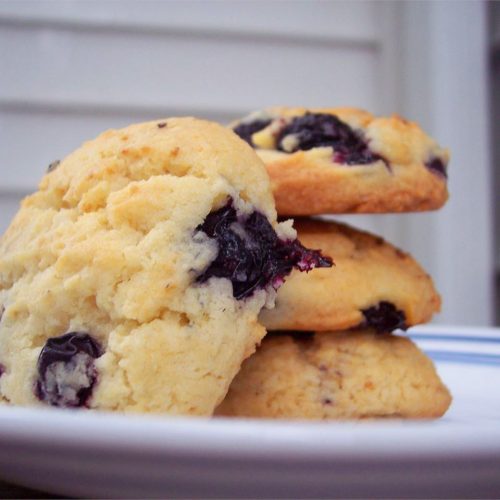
x=66, y=371
x=250, y=253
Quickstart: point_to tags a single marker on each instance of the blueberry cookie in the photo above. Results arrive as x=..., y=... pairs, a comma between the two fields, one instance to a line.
x=372, y=284
x=344, y=160
x=133, y=278
x=338, y=375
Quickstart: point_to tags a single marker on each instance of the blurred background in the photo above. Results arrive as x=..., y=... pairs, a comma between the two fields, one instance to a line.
x=70, y=69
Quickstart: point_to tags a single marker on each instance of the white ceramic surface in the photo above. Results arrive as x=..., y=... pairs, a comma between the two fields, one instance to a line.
x=97, y=454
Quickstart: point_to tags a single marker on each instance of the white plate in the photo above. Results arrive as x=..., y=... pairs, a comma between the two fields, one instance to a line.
x=97, y=454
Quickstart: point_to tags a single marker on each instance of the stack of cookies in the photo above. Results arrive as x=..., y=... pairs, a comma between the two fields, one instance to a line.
x=331, y=351
x=146, y=268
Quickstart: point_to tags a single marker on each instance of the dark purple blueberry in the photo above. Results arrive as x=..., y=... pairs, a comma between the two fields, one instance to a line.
x=384, y=317
x=2, y=369
x=437, y=165
x=250, y=254
x=53, y=165
x=314, y=130
x=162, y=124
x=66, y=370
x=246, y=130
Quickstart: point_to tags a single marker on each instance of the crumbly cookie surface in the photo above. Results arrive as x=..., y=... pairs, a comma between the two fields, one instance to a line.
x=100, y=301
x=346, y=161
x=337, y=375
x=372, y=283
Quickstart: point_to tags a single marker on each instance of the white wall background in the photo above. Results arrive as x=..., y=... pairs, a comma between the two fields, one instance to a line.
x=69, y=69
x=494, y=21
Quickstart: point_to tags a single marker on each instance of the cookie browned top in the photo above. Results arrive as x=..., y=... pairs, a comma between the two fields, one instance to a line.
x=372, y=283
x=345, y=160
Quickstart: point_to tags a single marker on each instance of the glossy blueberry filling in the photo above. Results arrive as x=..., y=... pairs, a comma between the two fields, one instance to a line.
x=314, y=130
x=384, y=317
x=66, y=370
x=246, y=129
x=250, y=254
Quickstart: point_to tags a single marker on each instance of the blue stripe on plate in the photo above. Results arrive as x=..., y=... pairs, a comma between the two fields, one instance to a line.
x=453, y=338
x=464, y=357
